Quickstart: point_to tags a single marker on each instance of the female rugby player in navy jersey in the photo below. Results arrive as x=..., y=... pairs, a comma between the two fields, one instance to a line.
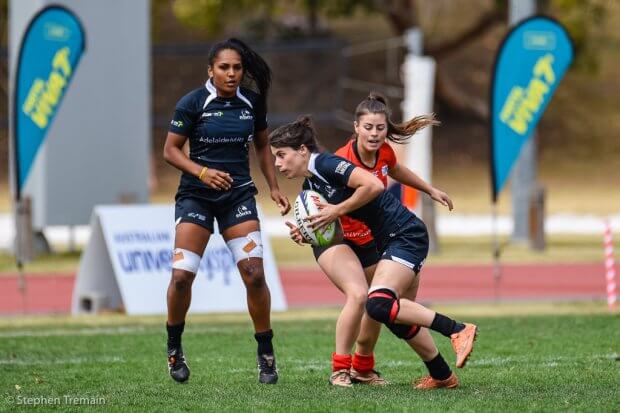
x=401, y=238
x=220, y=119
x=368, y=149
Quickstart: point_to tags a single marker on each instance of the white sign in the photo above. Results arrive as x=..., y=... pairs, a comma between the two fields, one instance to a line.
x=128, y=264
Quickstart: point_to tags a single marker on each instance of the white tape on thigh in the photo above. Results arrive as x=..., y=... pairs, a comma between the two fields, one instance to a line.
x=243, y=248
x=185, y=260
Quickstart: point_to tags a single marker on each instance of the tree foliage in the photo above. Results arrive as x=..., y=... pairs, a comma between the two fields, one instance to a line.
x=213, y=15
x=271, y=19
x=584, y=20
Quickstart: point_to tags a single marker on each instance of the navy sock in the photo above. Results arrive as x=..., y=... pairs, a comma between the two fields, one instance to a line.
x=446, y=325
x=174, y=334
x=264, y=342
x=438, y=368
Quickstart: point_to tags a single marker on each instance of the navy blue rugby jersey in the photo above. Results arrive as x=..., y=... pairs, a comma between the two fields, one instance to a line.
x=219, y=131
x=384, y=215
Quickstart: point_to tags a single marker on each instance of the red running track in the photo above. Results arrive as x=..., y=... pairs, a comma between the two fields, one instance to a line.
x=310, y=288
x=469, y=283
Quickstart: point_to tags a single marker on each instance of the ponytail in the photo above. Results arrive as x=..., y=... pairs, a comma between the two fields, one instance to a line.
x=254, y=65
x=396, y=132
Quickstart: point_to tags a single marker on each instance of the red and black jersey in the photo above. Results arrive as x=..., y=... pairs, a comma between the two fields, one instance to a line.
x=354, y=230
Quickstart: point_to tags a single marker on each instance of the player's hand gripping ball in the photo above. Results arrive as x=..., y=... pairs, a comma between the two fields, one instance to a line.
x=305, y=205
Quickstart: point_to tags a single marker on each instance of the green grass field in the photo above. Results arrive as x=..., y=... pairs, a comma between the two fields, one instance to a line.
x=566, y=361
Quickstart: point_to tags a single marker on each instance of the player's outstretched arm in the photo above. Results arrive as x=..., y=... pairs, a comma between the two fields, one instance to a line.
x=407, y=177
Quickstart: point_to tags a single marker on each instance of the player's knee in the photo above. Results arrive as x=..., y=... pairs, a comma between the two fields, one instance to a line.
x=365, y=341
x=182, y=280
x=382, y=305
x=406, y=332
x=357, y=297
x=252, y=273
x=257, y=282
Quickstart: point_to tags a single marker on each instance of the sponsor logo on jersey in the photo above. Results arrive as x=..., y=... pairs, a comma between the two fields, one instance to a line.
x=177, y=123
x=222, y=139
x=357, y=234
x=243, y=211
x=217, y=114
x=245, y=115
x=342, y=167
x=384, y=170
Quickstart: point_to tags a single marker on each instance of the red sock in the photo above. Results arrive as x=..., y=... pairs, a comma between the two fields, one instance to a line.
x=362, y=363
x=341, y=361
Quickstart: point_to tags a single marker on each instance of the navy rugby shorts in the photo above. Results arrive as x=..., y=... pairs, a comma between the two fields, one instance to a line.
x=409, y=246
x=202, y=212
x=367, y=253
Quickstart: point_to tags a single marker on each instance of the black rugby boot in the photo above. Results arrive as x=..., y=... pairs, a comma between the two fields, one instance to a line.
x=267, y=370
x=177, y=366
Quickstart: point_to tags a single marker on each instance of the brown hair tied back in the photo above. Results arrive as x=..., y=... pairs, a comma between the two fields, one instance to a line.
x=377, y=96
x=397, y=132
x=305, y=121
x=295, y=134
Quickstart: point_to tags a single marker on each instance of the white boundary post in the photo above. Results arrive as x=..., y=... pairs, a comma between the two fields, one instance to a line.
x=610, y=271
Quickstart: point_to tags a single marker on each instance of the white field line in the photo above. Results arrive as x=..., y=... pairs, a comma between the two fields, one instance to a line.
x=316, y=364
x=73, y=332
x=67, y=360
x=105, y=331
x=544, y=361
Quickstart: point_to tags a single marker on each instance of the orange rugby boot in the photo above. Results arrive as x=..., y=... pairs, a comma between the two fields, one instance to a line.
x=463, y=343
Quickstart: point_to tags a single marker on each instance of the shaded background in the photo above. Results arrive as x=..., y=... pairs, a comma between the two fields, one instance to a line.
x=307, y=44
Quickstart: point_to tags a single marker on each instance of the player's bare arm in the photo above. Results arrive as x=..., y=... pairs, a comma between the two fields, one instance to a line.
x=367, y=187
x=407, y=177
x=265, y=159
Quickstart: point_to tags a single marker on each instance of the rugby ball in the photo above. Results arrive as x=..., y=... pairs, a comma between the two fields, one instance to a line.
x=305, y=205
